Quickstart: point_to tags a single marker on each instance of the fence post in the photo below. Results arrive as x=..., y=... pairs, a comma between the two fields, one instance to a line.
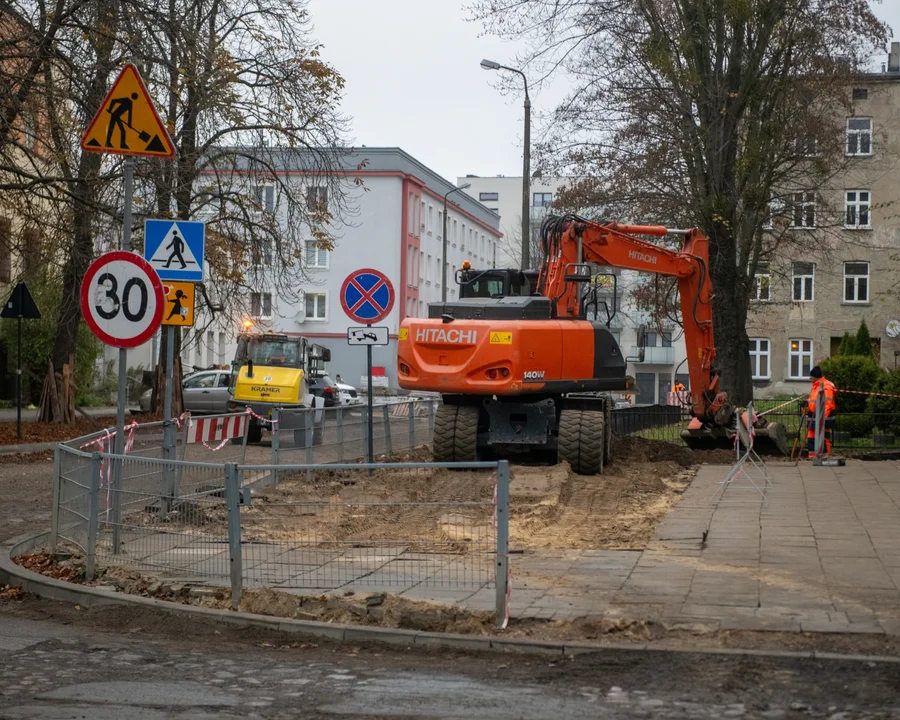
x=819, y=442
x=388, y=445
x=501, y=577
x=340, y=433
x=233, y=502
x=273, y=476
x=364, y=414
x=309, y=426
x=170, y=440
x=57, y=493
x=413, y=404
x=93, y=511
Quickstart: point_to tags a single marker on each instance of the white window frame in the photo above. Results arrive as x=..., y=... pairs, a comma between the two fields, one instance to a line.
x=261, y=315
x=317, y=198
x=855, y=278
x=811, y=277
x=855, y=207
x=762, y=272
x=323, y=296
x=757, y=353
x=265, y=254
x=264, y=197
x=319, y=253
x=804, y=201
x=857, y=135
x=803, y=349
x=806, y=147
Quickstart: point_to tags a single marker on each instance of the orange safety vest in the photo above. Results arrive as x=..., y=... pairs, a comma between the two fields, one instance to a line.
x=830, y=390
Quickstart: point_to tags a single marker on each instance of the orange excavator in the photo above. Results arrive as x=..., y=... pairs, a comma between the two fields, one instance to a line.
x=521, y=368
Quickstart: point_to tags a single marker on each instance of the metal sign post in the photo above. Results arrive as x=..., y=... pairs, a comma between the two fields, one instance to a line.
x=367, y=297
x=20, y=306
x=126, y=123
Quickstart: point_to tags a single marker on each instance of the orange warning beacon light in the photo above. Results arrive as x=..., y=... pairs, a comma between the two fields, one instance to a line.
x=466, y=265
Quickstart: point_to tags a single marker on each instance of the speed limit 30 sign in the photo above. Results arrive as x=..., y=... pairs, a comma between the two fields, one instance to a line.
x=122, y=299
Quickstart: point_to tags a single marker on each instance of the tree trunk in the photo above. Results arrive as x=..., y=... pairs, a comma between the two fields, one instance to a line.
x=730, y=305
x=83, y=189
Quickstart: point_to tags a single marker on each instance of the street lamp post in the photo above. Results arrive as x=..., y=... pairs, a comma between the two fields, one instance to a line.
x=444, y=244
x=526, y=162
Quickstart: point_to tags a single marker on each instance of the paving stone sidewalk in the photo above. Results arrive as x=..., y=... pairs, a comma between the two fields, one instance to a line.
x=821, y=554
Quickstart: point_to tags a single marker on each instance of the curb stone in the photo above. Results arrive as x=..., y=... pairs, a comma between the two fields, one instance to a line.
x=86, y=596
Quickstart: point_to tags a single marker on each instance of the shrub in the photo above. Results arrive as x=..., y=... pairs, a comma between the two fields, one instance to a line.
x=848, y=345
x=887, y=410
x=863, y=344
x=852, y=372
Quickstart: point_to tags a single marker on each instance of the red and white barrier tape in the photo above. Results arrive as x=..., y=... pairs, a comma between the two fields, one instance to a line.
x=260, y=417
x=872, y=394
x=778, y=407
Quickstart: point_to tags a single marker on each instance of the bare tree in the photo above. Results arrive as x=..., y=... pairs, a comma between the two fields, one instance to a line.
x=699, y=113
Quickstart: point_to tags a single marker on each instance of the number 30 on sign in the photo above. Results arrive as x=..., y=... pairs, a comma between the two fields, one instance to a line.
x=122, y=299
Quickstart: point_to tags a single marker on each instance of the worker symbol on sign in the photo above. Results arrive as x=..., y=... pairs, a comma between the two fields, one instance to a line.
x=118, y=109
x=178, y=307
x=177, y=247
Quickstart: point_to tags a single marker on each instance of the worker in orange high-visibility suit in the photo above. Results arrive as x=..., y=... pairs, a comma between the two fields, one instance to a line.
x=819, y=381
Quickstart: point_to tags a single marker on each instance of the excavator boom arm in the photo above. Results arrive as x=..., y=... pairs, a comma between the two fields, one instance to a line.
x=570, y=242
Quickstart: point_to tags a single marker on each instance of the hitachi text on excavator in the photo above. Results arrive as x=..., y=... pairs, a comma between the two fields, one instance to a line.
x=521, y=367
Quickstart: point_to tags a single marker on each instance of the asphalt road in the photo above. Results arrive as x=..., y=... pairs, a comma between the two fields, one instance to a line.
x=134, y=664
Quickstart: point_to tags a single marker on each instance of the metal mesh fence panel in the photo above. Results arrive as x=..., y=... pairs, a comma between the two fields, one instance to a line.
x=336, y=435
x=142, y=526
x=73, y=499
x=391, y=526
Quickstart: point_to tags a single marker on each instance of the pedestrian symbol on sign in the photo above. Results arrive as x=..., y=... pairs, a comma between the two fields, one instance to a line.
x=177, y=247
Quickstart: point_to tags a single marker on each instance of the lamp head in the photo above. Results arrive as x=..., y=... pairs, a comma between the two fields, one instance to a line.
x=490, y=65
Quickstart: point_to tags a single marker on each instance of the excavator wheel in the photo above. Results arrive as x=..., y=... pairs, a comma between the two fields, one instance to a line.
x=582, y=437
x=456, y=434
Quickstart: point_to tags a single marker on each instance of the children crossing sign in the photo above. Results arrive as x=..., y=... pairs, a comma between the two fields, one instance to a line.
x=127, y=123
x=175, y=248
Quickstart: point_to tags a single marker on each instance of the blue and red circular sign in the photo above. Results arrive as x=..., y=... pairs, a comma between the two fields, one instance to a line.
x=367, y=296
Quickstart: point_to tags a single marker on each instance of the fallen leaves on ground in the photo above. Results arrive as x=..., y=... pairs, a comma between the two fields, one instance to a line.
x=37, y=432
x=44, y=564
x=7, y=592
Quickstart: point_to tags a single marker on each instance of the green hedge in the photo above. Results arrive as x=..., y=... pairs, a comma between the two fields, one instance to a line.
x=853, y=372
x=888, y=408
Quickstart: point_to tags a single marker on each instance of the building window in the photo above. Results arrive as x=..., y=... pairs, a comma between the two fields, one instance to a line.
x=31, y=249
x=646, y=387
x=316, y=257
x=315, y=306
x=261, y=305
x=261, y=253
x=410, y=213
x=804, y=210
x=759, y=358
x=860, y=94
x=761, y=284
x=5, y=250
x=542, y=199
x=489, y=197
x=857, y=205
x=805, y=146
x=856, y=282
x=317, y=199
x=859, y=136
x=264, y=196
x=804, y=275
x=800, y=354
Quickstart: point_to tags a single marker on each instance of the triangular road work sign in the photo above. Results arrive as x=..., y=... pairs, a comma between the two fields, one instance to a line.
x=127, y=122
x=21, y=305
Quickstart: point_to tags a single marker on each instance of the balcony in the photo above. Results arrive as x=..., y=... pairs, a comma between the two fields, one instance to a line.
x=655, y=355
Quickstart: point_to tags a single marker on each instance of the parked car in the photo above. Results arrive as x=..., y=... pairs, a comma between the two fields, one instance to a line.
x=205, y=393
x=324, y=387
x=347, y=395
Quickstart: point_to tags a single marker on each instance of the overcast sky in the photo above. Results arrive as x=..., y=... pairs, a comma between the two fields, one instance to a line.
x=414, y=81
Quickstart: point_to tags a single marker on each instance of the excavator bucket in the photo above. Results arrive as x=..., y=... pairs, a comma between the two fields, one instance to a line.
x=768, y=438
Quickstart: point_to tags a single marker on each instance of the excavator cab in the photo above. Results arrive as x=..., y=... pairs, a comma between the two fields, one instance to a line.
x=495, y=283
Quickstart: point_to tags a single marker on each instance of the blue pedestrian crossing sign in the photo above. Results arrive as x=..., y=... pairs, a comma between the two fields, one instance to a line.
x=175, y=248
